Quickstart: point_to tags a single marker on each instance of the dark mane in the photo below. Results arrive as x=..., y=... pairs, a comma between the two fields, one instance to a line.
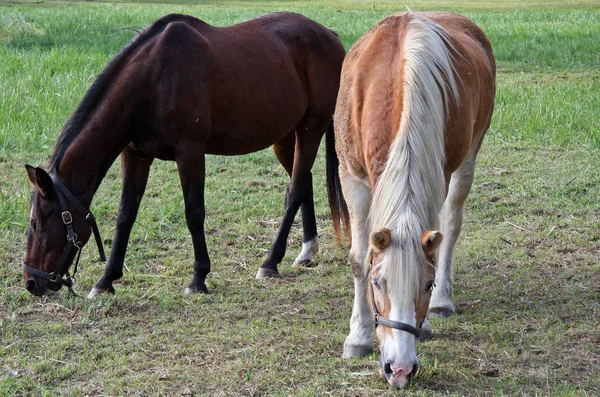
x=94, y=94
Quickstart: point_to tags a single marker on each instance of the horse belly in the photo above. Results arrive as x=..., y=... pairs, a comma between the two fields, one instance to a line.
x=242, y=140
x=255, y=116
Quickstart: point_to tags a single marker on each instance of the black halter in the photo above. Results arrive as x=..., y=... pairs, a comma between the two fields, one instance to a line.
x=72, y=240
x=378, y=320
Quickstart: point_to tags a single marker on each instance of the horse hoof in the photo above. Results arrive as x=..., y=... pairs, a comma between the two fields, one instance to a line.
x=196, y=289
x=96, y=292
x=305, y=263
x=441, y=311
x=264, y=273
x=426, y=334
x=356, y=351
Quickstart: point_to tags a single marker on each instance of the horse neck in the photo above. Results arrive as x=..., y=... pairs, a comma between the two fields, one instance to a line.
x=100, y=141
x=100, y=127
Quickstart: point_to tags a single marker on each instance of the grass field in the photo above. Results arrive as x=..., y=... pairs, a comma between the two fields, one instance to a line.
x=527, y=279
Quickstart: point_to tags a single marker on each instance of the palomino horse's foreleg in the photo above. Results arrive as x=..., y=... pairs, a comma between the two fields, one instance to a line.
x=305, y=153
x=191, y=166
x=135, y=168
x=357, y=193
x=451, y=217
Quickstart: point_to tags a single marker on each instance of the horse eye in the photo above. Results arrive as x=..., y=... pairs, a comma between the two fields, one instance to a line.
x=429, y=286
x=375, y=282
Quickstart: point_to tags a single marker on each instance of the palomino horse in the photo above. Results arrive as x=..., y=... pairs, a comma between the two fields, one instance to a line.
x=415, y=101
x=179, y=90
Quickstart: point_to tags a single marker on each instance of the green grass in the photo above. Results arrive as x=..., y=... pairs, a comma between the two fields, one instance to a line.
x=527, y=276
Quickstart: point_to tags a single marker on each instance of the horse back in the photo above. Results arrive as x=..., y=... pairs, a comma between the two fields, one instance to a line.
x=222, y=88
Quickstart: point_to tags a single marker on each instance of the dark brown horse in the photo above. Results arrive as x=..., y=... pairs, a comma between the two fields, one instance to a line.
x=178, y=90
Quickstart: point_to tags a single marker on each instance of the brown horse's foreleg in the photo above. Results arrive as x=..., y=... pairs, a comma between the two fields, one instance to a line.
x=135, y=168
x=304, y=157
x=191, y=166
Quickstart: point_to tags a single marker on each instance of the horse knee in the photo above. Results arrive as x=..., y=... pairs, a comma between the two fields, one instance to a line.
x=125, y=220
x=195, y=220
x=294, y=202
x=358, y=269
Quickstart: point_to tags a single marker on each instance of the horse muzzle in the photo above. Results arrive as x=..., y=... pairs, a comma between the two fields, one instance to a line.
x=398, y=375
x=39, y=287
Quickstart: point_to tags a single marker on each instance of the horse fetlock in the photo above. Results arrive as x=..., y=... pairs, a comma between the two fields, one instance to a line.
x=114, y=274
x=357, y=350
x=309, y=250
x=441, y=304
x=196, y=287
x=359, y=341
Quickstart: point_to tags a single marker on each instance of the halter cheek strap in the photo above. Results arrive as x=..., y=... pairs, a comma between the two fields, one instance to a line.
x=378, y=320
x=72, y=240
x=89, y=217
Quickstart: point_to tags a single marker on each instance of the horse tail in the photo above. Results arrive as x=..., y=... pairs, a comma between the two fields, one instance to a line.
x=337, y=204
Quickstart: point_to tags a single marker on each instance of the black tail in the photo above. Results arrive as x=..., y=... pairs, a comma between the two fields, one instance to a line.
x=337, y=204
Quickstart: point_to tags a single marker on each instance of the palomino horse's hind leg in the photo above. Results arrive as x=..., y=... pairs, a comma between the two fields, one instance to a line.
x=191, y=167
x=357, y=193
x=307, y=145
x=135, y=167
x=451, y=217
x=284, y=150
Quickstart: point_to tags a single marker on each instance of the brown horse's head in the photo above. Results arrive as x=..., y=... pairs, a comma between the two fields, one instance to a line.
x=402, y=276
x=49, y=252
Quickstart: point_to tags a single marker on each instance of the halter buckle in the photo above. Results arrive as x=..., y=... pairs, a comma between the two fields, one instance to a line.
x=66, y=217
x=54, y=277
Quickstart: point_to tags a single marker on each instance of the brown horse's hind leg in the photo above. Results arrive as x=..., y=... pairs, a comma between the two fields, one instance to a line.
x=135, y=167
x=310, y=240
x=306, y=147
x=284, y=150
x=191, y=166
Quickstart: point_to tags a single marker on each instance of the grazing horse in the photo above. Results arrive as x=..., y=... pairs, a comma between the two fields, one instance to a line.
x=415, y=101
x=179, y=90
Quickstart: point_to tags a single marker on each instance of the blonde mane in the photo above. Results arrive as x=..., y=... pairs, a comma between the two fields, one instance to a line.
x=411, y=190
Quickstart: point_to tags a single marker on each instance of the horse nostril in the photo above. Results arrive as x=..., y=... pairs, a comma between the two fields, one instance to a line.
x=387, y=369
x=31, y=285
x=414, y=371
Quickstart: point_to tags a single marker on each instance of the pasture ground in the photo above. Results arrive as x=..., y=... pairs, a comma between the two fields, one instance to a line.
x=527, y=279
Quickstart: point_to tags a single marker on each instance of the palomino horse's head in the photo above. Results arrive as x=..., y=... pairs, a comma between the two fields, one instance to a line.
x=400, y=298
x=55, y=234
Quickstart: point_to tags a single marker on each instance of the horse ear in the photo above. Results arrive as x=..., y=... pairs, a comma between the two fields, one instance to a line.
x=381, y=240
x=39, y=178
x=431, y=240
